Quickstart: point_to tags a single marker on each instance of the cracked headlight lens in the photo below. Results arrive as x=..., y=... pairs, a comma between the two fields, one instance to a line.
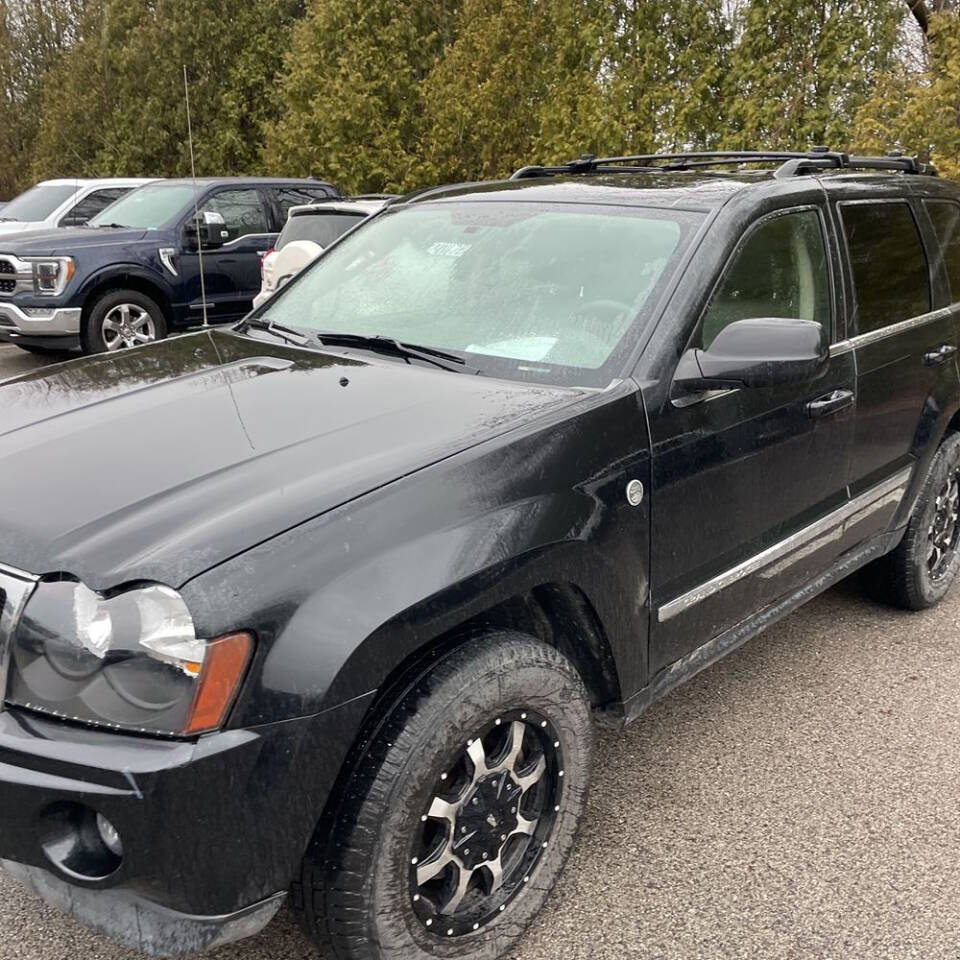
x=130, y=660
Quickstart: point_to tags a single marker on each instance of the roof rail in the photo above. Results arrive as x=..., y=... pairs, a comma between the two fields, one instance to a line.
x=790, y=163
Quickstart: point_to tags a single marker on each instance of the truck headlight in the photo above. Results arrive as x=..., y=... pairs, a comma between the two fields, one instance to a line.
x=130, y=660
x=50, y=274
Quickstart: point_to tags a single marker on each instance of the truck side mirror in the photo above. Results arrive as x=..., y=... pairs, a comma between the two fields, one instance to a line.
x=207, y=229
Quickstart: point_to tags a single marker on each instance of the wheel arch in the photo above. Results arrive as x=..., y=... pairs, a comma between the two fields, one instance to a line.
x=128, y=278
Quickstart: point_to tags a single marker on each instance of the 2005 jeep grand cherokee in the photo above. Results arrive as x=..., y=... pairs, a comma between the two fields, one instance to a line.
x=320, y=607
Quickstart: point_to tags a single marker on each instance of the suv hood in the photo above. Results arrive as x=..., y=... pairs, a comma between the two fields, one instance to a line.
x=162, y=461
x=66, y=240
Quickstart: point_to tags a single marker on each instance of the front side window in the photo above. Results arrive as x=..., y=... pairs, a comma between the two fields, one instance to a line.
x=38, y=202
x=780, y=271
x=945, y=215
x=528, y=290
x=93, y=203
x=150, y=207
x=891, y=278
x=242, y=212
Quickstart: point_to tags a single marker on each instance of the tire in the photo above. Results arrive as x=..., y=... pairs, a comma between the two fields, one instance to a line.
x=359, y=895
x=104, y=330
x=914, y=575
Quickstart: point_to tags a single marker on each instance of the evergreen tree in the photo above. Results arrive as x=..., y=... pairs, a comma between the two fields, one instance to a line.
x=916, y=105
x=802, y=69
x=353, y=91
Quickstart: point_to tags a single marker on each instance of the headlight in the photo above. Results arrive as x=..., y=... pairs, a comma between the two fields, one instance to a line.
x=50, y=274
x=131, y=661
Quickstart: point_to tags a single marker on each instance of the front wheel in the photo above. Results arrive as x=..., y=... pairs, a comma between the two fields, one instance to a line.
x=923, y=566
x=122, y=319
x=455, y=824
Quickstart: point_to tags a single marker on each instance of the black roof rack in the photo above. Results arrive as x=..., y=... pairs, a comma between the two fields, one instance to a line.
x=790, y=163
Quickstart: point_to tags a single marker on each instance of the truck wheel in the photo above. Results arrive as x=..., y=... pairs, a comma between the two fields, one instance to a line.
x=923, y=566
x=457, y=819
x=122, y=319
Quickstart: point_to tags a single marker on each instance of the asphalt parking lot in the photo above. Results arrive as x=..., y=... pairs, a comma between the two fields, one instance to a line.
x=800, y=799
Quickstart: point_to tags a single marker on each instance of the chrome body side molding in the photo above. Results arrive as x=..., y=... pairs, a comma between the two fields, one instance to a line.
x=890, y=490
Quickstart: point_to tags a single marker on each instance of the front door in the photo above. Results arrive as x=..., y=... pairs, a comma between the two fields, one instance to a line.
x=231, y=272
x=750, y=484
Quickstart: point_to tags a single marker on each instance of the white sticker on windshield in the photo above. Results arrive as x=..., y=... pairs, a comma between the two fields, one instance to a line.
x=521, y=348
x=440, y=249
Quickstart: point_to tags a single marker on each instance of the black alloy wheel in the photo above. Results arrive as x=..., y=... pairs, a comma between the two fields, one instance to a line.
x=455, y=820
x=487, y=824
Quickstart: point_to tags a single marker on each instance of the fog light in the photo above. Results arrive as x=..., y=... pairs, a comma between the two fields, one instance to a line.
x=79, y=841
x=109, y=835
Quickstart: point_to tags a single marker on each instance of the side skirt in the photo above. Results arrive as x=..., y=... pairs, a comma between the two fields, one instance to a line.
x=713, y=650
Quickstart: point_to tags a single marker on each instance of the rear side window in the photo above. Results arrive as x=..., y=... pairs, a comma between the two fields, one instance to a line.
x=288, y=197
x=946, y=222
x=94, y=202
x=780, y=270
x=891, y=278
x=321, y=228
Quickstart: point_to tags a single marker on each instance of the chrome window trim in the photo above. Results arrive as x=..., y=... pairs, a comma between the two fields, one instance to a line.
x=881, y=333
x=16, y=586
x=853, y=510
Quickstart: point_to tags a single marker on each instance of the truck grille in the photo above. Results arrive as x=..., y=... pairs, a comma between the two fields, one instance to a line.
x=7, y=267
x=7, y=286
x=15, y=587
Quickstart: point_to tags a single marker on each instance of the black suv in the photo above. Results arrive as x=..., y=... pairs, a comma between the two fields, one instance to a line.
x=320, y=608
x=135, y=273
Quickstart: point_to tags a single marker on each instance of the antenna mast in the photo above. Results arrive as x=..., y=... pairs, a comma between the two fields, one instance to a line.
x=196, y=212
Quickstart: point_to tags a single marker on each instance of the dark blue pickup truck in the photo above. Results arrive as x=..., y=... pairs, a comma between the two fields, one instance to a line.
x=135, y=273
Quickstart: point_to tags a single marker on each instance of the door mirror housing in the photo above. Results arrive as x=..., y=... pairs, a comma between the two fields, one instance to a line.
x=207, y=229
x=761, y=352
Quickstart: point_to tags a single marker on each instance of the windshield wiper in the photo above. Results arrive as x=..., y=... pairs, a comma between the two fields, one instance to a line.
x=115, y=226
x=448, y=361
x=278, y=330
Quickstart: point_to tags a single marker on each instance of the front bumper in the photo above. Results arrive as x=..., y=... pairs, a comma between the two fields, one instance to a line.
x=212, y=830
x=16, y=323
x=140, y=924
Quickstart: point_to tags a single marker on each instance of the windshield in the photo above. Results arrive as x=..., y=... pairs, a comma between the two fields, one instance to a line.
x=532, y=291
x=321, y=228
x=39, y=201
x=147, y=208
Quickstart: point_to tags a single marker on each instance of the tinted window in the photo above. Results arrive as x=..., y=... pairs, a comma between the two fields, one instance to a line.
x=94, y=202
x=242, y=212
x=321, y=228
x=890, y=275
x=946, y=221
x=779, y=271
x=38, y=202
x=288, y=197
x=531, y=290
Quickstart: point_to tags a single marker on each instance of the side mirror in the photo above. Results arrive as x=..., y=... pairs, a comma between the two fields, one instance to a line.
x=207, y=229
x=756, y=353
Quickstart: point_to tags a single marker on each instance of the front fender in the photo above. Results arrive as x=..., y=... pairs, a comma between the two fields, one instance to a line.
x=119, y=273
x=339, y=602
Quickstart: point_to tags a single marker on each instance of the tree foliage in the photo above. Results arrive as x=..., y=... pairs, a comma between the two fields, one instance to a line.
x=395, y=94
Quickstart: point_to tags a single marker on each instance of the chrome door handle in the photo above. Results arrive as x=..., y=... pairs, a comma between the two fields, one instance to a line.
x=940, y=355
x=830, y=403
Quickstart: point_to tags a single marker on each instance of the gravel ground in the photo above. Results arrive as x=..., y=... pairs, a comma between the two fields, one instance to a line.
x=797, y=800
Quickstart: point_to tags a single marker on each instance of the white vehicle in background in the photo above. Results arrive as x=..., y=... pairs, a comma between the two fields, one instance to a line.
x=63, y=203
x=309, y=230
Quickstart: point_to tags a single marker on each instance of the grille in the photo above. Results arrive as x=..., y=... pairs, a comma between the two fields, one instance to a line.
x=7, y=267
x=8, y=286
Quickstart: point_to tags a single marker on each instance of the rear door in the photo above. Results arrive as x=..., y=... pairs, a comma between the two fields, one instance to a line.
x=904, y=340
x=750, y=484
